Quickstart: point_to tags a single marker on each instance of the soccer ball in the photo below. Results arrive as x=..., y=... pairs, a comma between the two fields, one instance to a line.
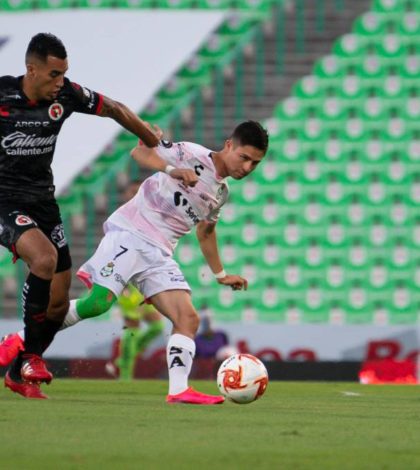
x=242, y=378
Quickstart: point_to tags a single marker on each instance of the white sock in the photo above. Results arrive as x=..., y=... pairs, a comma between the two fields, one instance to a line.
x=180, y=353
x=72, y=317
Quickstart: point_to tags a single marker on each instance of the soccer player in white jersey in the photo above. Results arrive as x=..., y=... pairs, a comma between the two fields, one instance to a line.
x=188, y=189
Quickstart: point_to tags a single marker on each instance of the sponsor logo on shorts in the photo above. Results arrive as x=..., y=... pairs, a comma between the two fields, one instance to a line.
x=58, y=237
x=107, y=270
x=177, y=278
x=23, y=220
x=55, y=111
x=118, y=278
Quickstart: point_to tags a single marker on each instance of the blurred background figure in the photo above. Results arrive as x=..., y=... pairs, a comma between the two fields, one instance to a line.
x=212, y=343
x=142, y=323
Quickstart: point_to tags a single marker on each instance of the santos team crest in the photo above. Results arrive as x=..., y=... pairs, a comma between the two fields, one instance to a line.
x=107, y=270
x=55, y=111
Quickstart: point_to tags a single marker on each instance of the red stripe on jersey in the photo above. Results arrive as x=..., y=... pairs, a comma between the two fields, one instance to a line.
x=100, y=103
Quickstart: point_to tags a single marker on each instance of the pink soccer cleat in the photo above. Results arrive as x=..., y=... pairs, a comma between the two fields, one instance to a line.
x=34, y=369
x=26, y=389
x=193, y=397
x=10, y=345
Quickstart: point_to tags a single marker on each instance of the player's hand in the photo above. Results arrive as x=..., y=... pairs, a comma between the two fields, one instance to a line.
x=155, y=129
x=234, y=281
x=158, y=132
x=188, y=177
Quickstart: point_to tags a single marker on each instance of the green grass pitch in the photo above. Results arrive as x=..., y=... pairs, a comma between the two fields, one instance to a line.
x=113, y=425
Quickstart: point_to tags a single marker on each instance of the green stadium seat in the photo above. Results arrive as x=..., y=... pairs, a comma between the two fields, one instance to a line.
x=56, y=4
x=371, y=23
x=7, y=268
x=92, y=3
x=91, y=181
x=260, y=9
x=236, y=26
x=409, y=25
x=329, y=67
x=309, y=87
x=70, y=203
x=16, y=5
x=173, y=92
x=175, y=4
x=196, y=72
x=315, y=305
x=188, y=252
x=215, y=49
x=388, y=6
x=289, y=109
x=214, y=4
x=134, y=3
x=350, y=46
x=390, y=46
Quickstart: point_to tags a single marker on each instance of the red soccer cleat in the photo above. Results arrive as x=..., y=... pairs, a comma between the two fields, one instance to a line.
x=10, y=345
x=193, y=397
x=34, y=369
x=26, y=389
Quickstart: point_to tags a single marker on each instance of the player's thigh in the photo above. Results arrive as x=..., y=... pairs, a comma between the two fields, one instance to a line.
x=59, y=295
x=20, y=233
x=38, y=253
x=115, y=261
x=177, y=306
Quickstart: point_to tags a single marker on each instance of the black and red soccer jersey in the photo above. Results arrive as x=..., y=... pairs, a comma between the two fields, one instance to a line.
x=28, y=134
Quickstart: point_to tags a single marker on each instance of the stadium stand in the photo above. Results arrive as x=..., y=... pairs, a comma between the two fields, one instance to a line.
x=326, y=230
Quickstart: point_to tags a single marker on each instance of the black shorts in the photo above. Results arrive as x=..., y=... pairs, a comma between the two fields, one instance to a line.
x=17, y=217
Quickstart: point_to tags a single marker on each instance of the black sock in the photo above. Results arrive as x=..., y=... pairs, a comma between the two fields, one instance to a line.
x=36, y=296
x=15, y=366
x=50, y=329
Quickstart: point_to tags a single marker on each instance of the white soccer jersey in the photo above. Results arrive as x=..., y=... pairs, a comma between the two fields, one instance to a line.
x=164, y=210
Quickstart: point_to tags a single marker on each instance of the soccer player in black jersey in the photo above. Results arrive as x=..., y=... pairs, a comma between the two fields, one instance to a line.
x=33, y=107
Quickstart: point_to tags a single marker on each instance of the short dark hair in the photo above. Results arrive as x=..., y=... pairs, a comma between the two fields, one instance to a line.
x=251, y=133
x=44, y=44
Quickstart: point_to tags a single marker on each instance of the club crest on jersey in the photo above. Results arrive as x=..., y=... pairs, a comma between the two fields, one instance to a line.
x=23, y=220
x=107, y=270
x=55, y=111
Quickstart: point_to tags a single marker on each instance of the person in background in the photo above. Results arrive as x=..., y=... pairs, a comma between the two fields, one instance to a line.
x=134, y=339
x=209, y=341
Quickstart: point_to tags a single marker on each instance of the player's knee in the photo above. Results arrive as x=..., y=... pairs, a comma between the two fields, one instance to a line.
x=45, y=263
x=192, y=321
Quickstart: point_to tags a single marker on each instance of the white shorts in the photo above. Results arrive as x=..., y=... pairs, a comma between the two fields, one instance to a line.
x=121, y=257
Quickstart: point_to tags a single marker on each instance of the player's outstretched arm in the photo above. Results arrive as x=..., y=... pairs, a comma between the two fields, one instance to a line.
x=130, y=121
x=150, y=159
x=206, y=235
